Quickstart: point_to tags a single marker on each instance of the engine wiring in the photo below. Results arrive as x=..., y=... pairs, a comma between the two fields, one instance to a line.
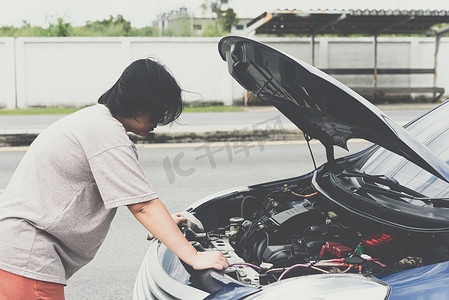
x=315, y=265
x=330, y=263
x=255, y=239
x=300, y=266
x=304, y=196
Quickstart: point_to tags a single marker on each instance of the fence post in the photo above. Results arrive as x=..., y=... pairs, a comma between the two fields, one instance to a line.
x=323, y=58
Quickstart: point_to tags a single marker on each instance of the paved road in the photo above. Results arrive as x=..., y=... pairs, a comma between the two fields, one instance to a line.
x=111, y=274
x=182, y=174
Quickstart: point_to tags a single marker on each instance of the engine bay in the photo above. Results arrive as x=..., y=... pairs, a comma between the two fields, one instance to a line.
x=289, y=230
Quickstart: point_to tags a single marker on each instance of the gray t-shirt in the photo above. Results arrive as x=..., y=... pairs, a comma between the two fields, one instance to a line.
x=57, y=208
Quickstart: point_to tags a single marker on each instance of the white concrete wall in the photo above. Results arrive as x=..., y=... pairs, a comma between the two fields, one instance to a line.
x=76, y=71
x=194, y=62
x=7, y=73
x=65, y=71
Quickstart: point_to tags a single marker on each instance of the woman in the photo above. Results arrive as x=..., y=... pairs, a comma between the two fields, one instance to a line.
x=58, y=206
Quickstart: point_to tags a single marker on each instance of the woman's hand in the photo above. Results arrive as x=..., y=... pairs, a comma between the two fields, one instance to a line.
x=179, y=219
x=208, y=259
x=155, y=218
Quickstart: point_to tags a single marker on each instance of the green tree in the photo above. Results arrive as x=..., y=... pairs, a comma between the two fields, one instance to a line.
x=25, y=30
x=229, y=19
x=113, y=26
x=214, y=29
x=117, y=26
x=7, y=31
x=143, y=31
x=226, y=18
x=216, y=7
x=60, y=29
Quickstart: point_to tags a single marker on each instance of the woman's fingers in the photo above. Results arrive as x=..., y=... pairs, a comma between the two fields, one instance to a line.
x=210, y=259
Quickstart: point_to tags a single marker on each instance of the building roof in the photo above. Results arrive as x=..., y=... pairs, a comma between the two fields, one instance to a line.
x=345, y=22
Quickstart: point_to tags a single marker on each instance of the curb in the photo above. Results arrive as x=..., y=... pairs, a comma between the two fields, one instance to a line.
x=25, y=139
x=16, y=140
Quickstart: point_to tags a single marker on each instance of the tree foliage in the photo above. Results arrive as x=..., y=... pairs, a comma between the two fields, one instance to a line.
x=60, y=28
x=225, y=16
x=113, y=26
x=118, y=26
x=214, y=29
x=229, y=19
x=25, y=30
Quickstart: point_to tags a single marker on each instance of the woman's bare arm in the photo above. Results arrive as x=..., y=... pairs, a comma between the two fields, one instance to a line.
x=156, y=219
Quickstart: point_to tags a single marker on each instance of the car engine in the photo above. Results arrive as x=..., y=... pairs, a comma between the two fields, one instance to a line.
x=288, y=231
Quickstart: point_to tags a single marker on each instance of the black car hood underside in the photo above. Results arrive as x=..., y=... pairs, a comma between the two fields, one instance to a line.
x=319, y=105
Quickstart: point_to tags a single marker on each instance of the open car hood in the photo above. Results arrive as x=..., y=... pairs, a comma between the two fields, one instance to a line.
x=319, y=105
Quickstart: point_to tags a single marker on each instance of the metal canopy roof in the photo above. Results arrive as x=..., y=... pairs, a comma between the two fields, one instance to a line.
x=369, y=22
x=345, y=22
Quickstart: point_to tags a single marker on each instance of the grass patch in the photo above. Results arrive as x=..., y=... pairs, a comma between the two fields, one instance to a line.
x=220, y=108
x=39, y=111
x=69, y=110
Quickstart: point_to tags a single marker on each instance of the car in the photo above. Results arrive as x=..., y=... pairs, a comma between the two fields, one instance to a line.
x=374, y=224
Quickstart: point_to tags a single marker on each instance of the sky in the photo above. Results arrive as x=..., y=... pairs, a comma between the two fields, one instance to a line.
x=143, y=12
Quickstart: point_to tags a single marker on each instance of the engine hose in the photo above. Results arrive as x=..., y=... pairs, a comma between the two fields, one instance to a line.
x=261, y=246
x=249, y=205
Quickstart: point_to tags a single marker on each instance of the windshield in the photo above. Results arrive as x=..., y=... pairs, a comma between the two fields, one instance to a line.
x=431, y=130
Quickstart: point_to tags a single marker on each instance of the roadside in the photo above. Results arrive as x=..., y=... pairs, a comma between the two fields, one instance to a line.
x=394, y=106
x=69, y=110
x=251, y=123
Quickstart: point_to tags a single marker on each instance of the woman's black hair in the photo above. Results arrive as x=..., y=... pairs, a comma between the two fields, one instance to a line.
x=145, y=86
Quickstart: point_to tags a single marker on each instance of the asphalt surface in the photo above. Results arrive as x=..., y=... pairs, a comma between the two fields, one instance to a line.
x=112, y=273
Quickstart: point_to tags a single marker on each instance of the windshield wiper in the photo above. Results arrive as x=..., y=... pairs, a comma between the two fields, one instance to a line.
x=392, y=183
x=396, y=189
